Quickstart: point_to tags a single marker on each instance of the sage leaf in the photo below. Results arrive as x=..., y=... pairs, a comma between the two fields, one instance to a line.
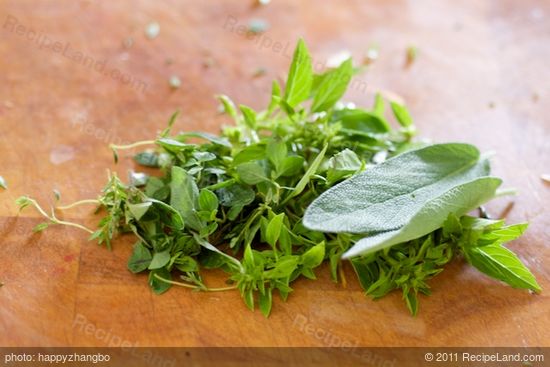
x=431, y=216
x=386, y=196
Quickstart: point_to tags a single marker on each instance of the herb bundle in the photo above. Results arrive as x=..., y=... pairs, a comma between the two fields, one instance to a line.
x=305, y=181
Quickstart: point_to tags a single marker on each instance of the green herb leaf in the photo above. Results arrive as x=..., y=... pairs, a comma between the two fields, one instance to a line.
x=140, y=259
x=157, y=285
x=208, y=200
x=332, y=87
x=274, y=229
x=160, y=259
x=401, y=114
x=184, y=195
x=251, y=173
x=385, y=197
x=300, y=76
x=502, y=264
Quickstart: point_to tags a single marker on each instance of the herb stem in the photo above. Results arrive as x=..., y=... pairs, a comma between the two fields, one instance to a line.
x=77, y=203
x=52, y=218
x=71, y=224
x=220, y=185
x=133, y=145
x=206, y=289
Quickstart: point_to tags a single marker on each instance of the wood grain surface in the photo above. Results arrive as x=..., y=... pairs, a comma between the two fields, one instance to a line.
x=77, y=75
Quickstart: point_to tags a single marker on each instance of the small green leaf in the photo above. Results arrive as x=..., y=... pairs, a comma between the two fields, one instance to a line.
x=292, y=165
x=140, y=259
x=314, y=256
x=274, y=229
x=248, y=297
x=184, y=195
x=147, y=159
x=40, y=227
x=300, y=76
x=157, y=285
x=276, y=153
x=250, y=153
x=236, y=195
x=251, y=173
x=186, y=264
x=265, y=302
x=332, y=87
x=401, y=113
x=208, y=200
x=160, y=259
x=378, y=108
x=283, y=268
x=249, y=116
x=452, y=225
x=139, y=210
x=301, y=185
x=228, y=105
x=173, y=145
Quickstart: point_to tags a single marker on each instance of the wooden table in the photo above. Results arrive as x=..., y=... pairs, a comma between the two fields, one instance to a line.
x=481, y=76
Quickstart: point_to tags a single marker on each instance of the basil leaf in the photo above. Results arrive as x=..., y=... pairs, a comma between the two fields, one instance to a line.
x=332, y=87
x=502, y=264
x=300, y=76
x=386, y=196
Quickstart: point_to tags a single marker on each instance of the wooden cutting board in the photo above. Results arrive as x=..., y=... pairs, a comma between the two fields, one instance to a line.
x=481, y=76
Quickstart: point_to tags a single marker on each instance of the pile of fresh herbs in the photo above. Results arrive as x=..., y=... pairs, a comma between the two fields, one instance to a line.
x=308, y=180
